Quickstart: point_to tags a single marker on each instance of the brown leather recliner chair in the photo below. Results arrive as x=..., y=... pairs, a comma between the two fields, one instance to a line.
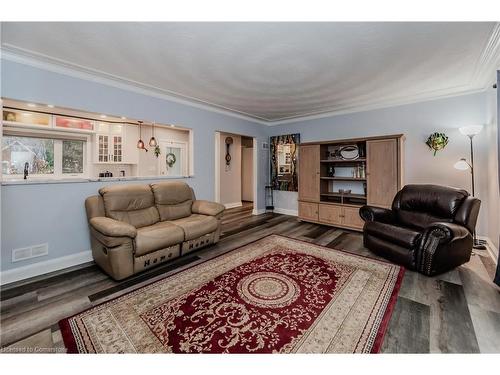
x=135, y=227
x=429, y=228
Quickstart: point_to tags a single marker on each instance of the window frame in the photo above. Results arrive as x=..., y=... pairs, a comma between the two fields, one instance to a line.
x=58, y=138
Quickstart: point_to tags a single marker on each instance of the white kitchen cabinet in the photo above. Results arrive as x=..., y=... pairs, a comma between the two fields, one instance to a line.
x=111, y=144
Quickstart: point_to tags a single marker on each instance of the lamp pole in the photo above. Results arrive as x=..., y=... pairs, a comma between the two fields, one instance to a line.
x=472, y=162
x=476, y=244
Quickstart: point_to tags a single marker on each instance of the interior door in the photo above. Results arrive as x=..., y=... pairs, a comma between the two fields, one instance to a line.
x=382, y=171
x=173, y=158
x=309, y=173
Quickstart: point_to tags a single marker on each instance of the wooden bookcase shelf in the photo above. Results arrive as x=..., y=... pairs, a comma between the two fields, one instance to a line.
x=343, y=178
x=358, y=160
x=373, y=178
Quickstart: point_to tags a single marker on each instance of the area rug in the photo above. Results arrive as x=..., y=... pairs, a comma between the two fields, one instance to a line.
x=275, y=295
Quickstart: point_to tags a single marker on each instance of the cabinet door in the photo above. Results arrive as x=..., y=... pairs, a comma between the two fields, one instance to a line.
x=117, y=154
x=351, y=218
x=102, y=148
x=330, y=214
x=309, y=173
x=382, y=171
x=308, y=211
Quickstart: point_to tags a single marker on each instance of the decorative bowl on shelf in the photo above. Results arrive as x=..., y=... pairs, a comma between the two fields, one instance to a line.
x=350, y=152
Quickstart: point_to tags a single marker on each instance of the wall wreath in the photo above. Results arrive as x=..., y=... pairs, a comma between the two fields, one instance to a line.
x=170, y=159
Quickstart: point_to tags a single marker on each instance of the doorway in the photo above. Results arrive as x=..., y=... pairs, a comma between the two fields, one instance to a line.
x=235, y=171
x=173, y=158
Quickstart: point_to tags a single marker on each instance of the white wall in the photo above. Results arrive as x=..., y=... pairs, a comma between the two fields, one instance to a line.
x=148, y=162
x=230, y=175
x=247, y=174
x=417, y=121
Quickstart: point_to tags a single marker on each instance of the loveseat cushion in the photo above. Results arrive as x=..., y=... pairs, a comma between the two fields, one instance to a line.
x=203, y=207
x=133, y=204
x=195, y=226
x=402, y=236
x=173, y=199
x=156, y=237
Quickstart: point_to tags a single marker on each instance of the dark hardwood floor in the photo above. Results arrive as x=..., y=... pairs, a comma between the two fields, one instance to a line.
x=458, y=312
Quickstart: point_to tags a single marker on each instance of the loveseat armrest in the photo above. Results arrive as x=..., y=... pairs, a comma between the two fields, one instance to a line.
x=207, y=208
x=446, y=232
x=372, y=213
x=112, y=228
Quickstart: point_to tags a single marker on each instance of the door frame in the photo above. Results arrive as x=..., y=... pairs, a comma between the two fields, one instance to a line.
x=255, y=160
x=184, y=152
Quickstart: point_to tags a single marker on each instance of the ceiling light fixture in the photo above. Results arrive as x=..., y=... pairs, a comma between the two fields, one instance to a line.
x=50, y=105
x=103, y=116
x=123, y=118
x=152, y=141
x=140, y=142
x=32, y=105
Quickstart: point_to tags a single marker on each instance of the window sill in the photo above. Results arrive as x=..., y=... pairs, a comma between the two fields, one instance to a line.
x=83, y=180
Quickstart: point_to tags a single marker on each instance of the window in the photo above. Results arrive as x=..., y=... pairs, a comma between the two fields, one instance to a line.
x=44, y=157
x=72, y=157
x=37, y=152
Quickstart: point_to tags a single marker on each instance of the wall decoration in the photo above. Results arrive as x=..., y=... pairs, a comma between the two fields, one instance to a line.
x=284, y=151
x=229, y=142
x=437, y=141
x=157, y=150
x=170, y=159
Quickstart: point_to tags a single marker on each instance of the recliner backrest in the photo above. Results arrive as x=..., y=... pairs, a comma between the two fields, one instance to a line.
x=133, y=204
x=421, y=205
x=173, y=199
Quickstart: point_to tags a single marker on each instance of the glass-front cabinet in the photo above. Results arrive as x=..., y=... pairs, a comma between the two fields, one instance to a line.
x=109, y=143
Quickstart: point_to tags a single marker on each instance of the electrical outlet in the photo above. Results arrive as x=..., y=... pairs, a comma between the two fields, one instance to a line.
x=30, y=252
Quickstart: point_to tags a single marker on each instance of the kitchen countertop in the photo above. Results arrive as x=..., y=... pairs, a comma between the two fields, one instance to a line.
x=36, y=181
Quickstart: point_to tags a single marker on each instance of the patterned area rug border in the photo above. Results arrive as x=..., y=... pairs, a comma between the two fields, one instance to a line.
x=71, y=345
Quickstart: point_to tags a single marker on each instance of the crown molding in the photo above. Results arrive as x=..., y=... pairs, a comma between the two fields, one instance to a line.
x=387, y=103
x=489, y=61
x=486, y=64
x=41, y=61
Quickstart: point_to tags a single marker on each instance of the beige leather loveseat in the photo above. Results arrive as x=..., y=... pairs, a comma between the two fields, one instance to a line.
x=135, y=227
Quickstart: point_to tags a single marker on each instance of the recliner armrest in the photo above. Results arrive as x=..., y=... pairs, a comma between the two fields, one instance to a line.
x=446, y=232
x=112, y=228
x=203, y=207
x=372, y=213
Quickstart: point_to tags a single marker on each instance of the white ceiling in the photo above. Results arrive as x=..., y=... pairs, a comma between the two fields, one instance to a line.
x=273, y=72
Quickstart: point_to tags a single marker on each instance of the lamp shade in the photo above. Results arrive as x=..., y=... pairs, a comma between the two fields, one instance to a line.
x=462, y=165
x=471, y=130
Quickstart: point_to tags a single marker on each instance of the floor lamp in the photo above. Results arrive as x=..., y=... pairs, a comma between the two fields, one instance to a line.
x=462, y=164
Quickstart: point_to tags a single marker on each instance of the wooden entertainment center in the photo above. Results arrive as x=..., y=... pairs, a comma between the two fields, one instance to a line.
x=337, y=177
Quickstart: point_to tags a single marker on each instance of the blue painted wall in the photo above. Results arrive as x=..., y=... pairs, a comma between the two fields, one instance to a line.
x=416, y=121
x=54, y=213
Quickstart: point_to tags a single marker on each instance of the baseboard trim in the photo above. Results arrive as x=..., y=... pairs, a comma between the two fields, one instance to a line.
x=284, y=211
x=232, y=205
x=491, y=248
x=258, y=212
x=41, y=268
